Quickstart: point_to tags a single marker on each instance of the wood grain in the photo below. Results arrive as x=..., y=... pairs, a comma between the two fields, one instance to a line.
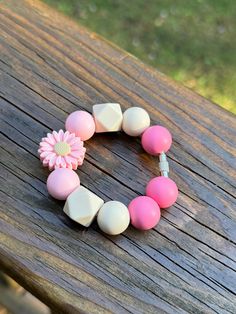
x=50, y=67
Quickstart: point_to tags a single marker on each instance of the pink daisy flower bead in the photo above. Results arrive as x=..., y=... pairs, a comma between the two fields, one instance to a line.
x=61, y=150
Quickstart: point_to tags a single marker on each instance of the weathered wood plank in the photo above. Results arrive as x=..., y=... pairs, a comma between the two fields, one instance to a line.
x=50, y=67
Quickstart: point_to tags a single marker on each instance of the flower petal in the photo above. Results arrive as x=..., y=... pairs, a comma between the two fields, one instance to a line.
x=46, y=149
x=50, y=156
x=71, y=138
x=69, y=159
x=61, y=135
x=50, y=139
x=76, y=146
x=80, y=161
x=44, y=154
x=45, y=162
x=44, y=144
x=72, y=162
x=75, y=166
x=58, y=161
x=70, y=167
x=56, y=136
x=63, y=163
x=76, y=154
x=51, y=163
x=66, y=136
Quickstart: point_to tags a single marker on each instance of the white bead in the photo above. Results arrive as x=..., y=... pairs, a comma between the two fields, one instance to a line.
x=113, y=218
x=108, y=117
x=135, y=121
x=82, y=206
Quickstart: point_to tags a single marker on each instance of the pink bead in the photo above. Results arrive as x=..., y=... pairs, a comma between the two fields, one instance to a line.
x=156, y=139
x=163, y=190
x=61, y=182
x=81, y=123
x=144, y=212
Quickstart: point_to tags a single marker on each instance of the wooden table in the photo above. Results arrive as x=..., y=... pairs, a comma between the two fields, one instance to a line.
x=50, y=67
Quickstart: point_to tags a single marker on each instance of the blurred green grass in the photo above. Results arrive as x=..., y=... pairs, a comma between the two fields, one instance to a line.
x=191, y=41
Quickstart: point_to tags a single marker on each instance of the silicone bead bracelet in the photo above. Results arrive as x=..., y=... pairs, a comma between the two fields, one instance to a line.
x=63, y=151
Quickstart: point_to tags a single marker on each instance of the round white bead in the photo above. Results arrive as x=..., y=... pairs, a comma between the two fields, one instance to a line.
x=135, y=121
x=113, y=217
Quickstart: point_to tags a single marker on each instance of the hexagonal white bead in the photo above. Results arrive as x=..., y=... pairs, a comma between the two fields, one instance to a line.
x=135, y=121
x=82, y=206
x=113, y=217
x=108, y=117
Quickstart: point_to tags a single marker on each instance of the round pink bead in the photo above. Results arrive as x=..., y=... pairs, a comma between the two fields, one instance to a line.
x=163, y=190
x=61, y=182
x=156, y=139
x=81, y=123
x=144, y=212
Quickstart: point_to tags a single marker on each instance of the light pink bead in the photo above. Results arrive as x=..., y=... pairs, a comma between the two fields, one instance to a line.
x=61, y=182
x=144, y=212
x=81, y=123
x=156, y=139
x=163, y=190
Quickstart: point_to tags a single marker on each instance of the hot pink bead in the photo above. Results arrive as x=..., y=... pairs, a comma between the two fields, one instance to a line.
x=81, y=123
x=163, y=190
x=144, y=212
x=156, y=139
x=61, y=182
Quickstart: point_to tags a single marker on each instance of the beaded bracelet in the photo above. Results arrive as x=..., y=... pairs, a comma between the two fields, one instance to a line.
x=63, y=152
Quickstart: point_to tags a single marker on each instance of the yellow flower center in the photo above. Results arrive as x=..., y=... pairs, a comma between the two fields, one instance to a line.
x=62, y=148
